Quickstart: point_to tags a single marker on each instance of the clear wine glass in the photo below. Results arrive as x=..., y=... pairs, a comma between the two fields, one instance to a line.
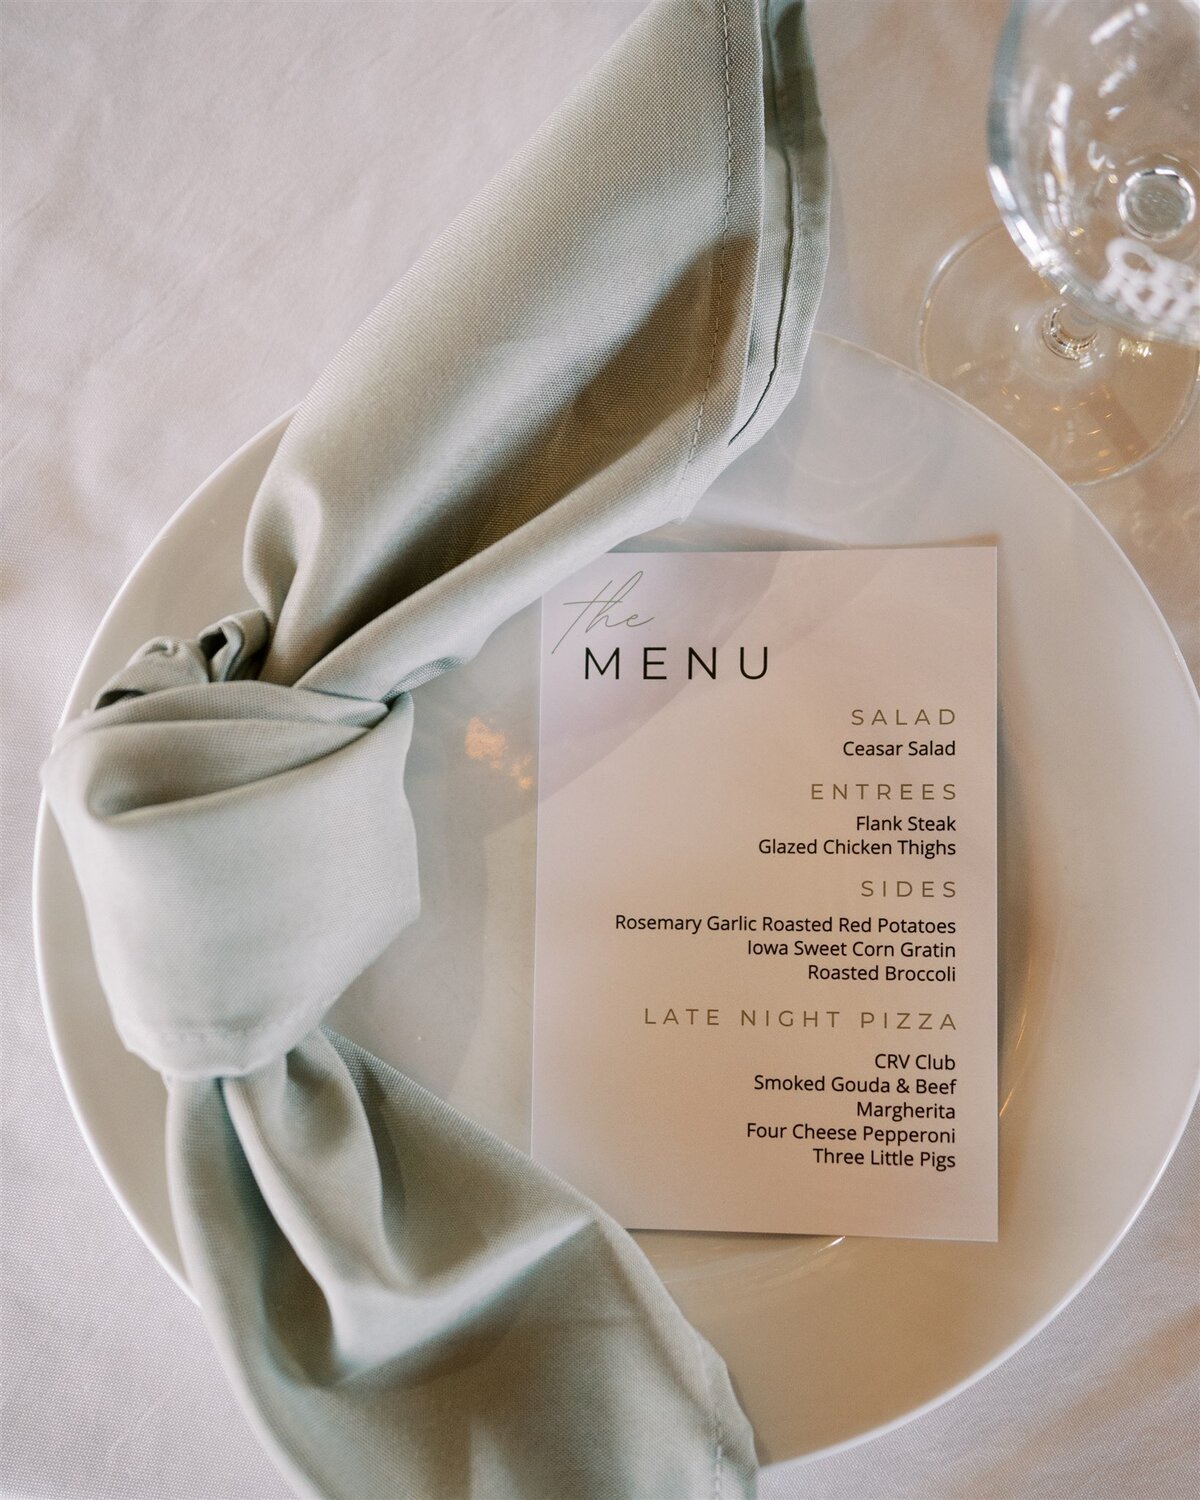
x=1086, y=348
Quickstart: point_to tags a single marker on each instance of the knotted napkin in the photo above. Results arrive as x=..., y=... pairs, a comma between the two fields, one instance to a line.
x=406, y=1305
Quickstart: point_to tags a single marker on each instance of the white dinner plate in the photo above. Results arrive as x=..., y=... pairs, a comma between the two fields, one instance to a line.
x=828, y=1340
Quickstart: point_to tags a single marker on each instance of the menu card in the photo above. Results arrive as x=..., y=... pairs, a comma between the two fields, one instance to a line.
x=765, y=953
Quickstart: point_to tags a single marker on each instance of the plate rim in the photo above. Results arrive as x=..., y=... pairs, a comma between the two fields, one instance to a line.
x=46, y=833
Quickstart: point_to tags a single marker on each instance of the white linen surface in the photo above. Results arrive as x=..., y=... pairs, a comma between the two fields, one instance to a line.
x=201, y=200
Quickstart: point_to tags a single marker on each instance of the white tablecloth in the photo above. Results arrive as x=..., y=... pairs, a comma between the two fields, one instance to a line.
x=201, y=200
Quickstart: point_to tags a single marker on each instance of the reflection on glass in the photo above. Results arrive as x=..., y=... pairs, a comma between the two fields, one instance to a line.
x=1085, y=349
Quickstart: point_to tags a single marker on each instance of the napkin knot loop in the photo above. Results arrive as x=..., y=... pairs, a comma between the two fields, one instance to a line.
x=229, y=650
x=238, y=877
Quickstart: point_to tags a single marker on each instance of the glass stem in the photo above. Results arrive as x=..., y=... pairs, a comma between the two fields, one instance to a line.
x=1068, y=332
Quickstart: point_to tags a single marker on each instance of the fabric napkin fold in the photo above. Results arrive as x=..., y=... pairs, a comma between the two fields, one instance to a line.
x=406, y=1305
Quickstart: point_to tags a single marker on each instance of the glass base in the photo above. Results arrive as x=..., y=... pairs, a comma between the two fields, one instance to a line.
x=1090, y=401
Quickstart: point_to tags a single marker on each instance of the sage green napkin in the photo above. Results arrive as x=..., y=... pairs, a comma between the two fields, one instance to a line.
x=405, y=1305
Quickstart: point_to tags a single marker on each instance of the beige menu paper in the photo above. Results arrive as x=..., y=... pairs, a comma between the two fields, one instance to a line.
x=765, y=994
